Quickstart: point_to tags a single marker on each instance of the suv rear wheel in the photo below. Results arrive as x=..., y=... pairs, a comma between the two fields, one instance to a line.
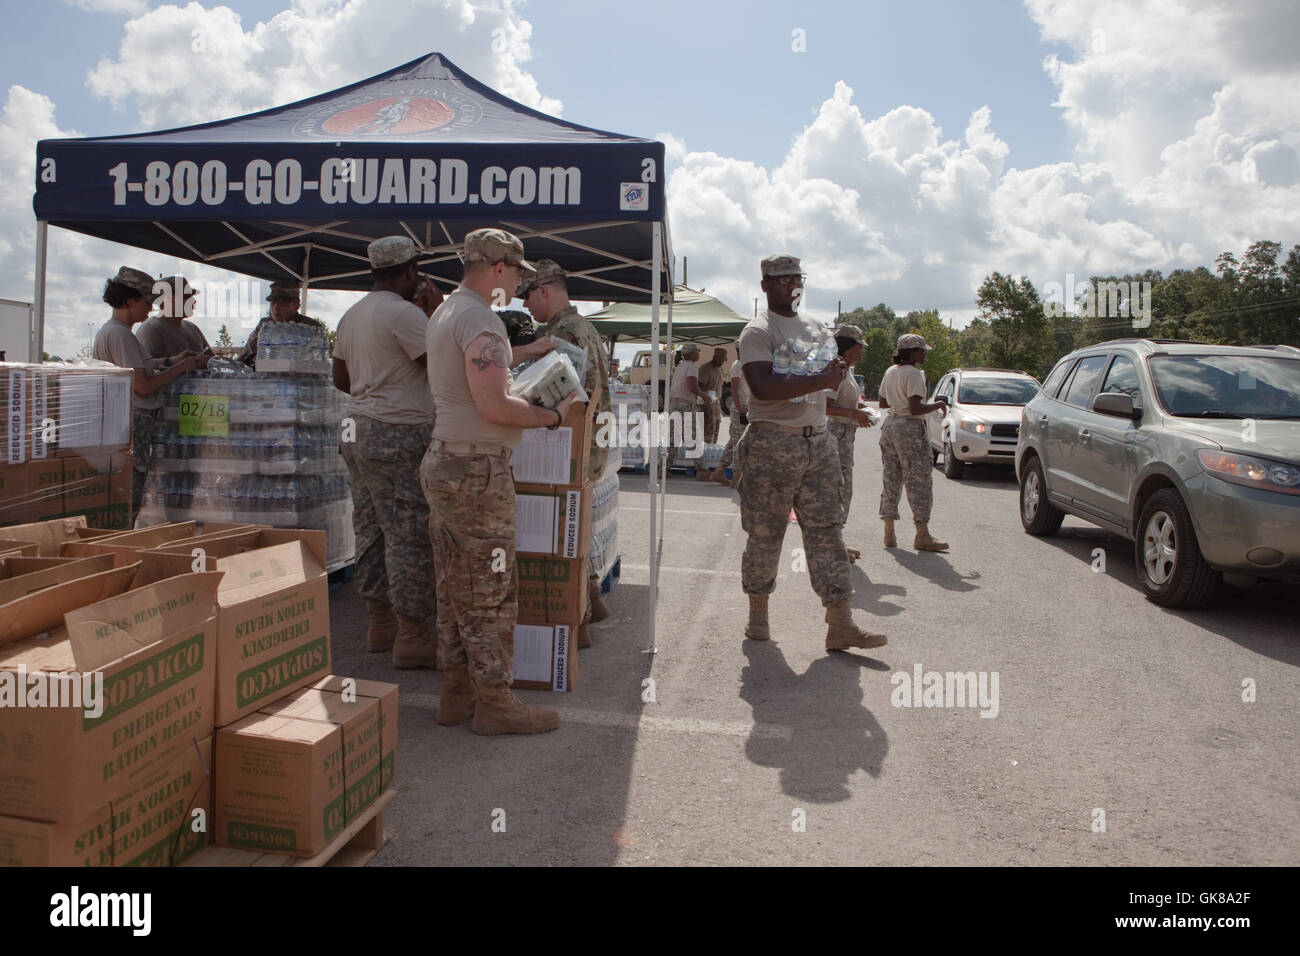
x=1169, y=563
x=1038, y=516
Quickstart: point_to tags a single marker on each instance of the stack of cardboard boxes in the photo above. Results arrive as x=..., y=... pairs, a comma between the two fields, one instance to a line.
x=67, y=443
x=552, y=549
x=215, y=715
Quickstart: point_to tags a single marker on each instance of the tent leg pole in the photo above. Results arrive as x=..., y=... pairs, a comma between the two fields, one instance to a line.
x=656, y=528
x=36, y=333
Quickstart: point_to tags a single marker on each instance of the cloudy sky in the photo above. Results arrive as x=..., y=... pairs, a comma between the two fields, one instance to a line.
x=903, y=149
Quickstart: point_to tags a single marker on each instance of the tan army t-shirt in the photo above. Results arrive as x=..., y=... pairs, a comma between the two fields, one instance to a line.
x=758, y=343
x=115, y=343
x=162, y=338
x=379, y=339
x=743, y=395
x=899, y=382
x=848, y=393
x=462, y=318
x=684, y=371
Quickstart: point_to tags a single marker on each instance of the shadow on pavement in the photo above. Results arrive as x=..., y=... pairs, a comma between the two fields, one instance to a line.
x=812, y=726
x=1259, y=617
x=869, y=597
x=934, y=567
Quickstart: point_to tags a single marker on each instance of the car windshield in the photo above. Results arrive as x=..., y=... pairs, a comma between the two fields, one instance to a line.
x=996, y=391
x=1227, y=386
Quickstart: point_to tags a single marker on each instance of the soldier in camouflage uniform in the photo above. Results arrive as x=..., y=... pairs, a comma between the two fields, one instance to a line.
x=683, y=391
x=710, y=379
x=904, y=448
x=130, y=294
x=789, y=460
x=467, y=481
x=285, y=300
x=379, y=360
x=845, y=417
x=546, y=296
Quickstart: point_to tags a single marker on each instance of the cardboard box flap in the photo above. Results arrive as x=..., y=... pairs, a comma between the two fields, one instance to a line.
x=22, y=576
x=28, y=549
x=48, y=536
x=253, y=573
x=112, y=629
x=45, y=609
x=154, y=536
x=227, y=543
x=158, y=565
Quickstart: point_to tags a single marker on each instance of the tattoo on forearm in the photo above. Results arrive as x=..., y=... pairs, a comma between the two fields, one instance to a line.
x=493, y=353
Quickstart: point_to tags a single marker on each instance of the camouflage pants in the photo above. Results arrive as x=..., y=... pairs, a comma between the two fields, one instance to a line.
x=472, y=524
x=905, y=462
x=390, y=516
x=845, y=433
x=734, y=432
x=143, y=423
x=712, y=421
x=782, y=470
x=683, y=411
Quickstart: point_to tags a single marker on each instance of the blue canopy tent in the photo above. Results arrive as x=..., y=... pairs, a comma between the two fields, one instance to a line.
x=299, y=191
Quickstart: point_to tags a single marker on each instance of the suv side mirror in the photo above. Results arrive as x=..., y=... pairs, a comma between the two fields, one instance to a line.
x=1118, y=404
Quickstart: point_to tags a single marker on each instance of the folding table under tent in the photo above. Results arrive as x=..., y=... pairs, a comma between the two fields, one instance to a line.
x=299, y=191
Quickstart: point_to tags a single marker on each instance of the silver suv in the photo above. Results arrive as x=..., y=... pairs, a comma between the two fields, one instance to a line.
x=982, y=423
x=1191, y=451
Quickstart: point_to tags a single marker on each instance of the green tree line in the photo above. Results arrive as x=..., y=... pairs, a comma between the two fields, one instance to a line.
x=1254, y=301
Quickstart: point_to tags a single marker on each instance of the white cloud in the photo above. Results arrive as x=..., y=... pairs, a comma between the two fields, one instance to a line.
x=1187, y=126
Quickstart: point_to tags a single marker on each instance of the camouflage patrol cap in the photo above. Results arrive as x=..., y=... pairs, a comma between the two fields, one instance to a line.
x=547, y=269
x=496, y=245
x=782, y=265
x=911, y=341
x=285, y=290
x=181, y=283
x=134, y=279
x=391, y=251
x=850, y=332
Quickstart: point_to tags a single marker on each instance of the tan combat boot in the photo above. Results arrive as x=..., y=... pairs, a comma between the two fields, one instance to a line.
x=599, y=609
x=458, y=698
x=498, y=711
x=924, y=541
x=720, y=476
x=854, y=554
x=383, y=627
x=843, y=633
x=756, y=629
x=413, y=647
x=891, y=541
x=584, y=635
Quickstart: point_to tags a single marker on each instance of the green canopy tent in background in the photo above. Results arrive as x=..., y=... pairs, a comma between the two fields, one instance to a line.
x=696, y=317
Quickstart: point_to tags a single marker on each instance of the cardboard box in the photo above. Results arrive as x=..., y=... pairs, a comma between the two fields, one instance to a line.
x=551, y=460
x=546, y=656
x=31, y=491
x=282, y=783
x=20, y=576
x=126, y=545
x=553, y=547
x=153, y=648
x=386, y=695
x=274, y=617
x=99, y=488
x=18, y=548
x=48, y=536
x=363, y=723
x=151, y=826
x=51, y=410
x=35, y=613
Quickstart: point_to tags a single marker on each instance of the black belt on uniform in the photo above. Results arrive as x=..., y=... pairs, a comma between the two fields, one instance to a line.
x=807, y=431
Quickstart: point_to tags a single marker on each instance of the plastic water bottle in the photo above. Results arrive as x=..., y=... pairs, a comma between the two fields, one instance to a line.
x=828, y=352
x=781, y=359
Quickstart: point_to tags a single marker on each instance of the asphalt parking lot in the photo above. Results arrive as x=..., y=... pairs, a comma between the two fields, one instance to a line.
x=1119, y=734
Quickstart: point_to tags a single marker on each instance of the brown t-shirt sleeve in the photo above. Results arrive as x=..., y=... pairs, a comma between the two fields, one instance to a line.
x=472, y=323
x=755, y=345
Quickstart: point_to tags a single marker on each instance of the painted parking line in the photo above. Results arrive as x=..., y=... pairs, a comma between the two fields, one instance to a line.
x=679, y=725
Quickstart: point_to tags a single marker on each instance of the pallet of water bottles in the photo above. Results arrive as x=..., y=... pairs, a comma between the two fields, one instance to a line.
x=209, y=399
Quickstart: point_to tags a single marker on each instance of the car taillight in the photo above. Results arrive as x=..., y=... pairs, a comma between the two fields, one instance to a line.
x=1251, y=472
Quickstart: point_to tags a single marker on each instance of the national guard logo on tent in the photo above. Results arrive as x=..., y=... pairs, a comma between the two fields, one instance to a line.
x=404, y=113
x=633, y=197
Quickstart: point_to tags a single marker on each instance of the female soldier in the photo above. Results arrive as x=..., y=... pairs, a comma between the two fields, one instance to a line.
x=845, y=417
x=904, y=447
x=130, y=295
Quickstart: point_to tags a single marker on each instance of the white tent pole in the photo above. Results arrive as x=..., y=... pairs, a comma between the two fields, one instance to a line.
x=656, y=264
x=663, y=499
x=37, y=331
x=306, y=279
